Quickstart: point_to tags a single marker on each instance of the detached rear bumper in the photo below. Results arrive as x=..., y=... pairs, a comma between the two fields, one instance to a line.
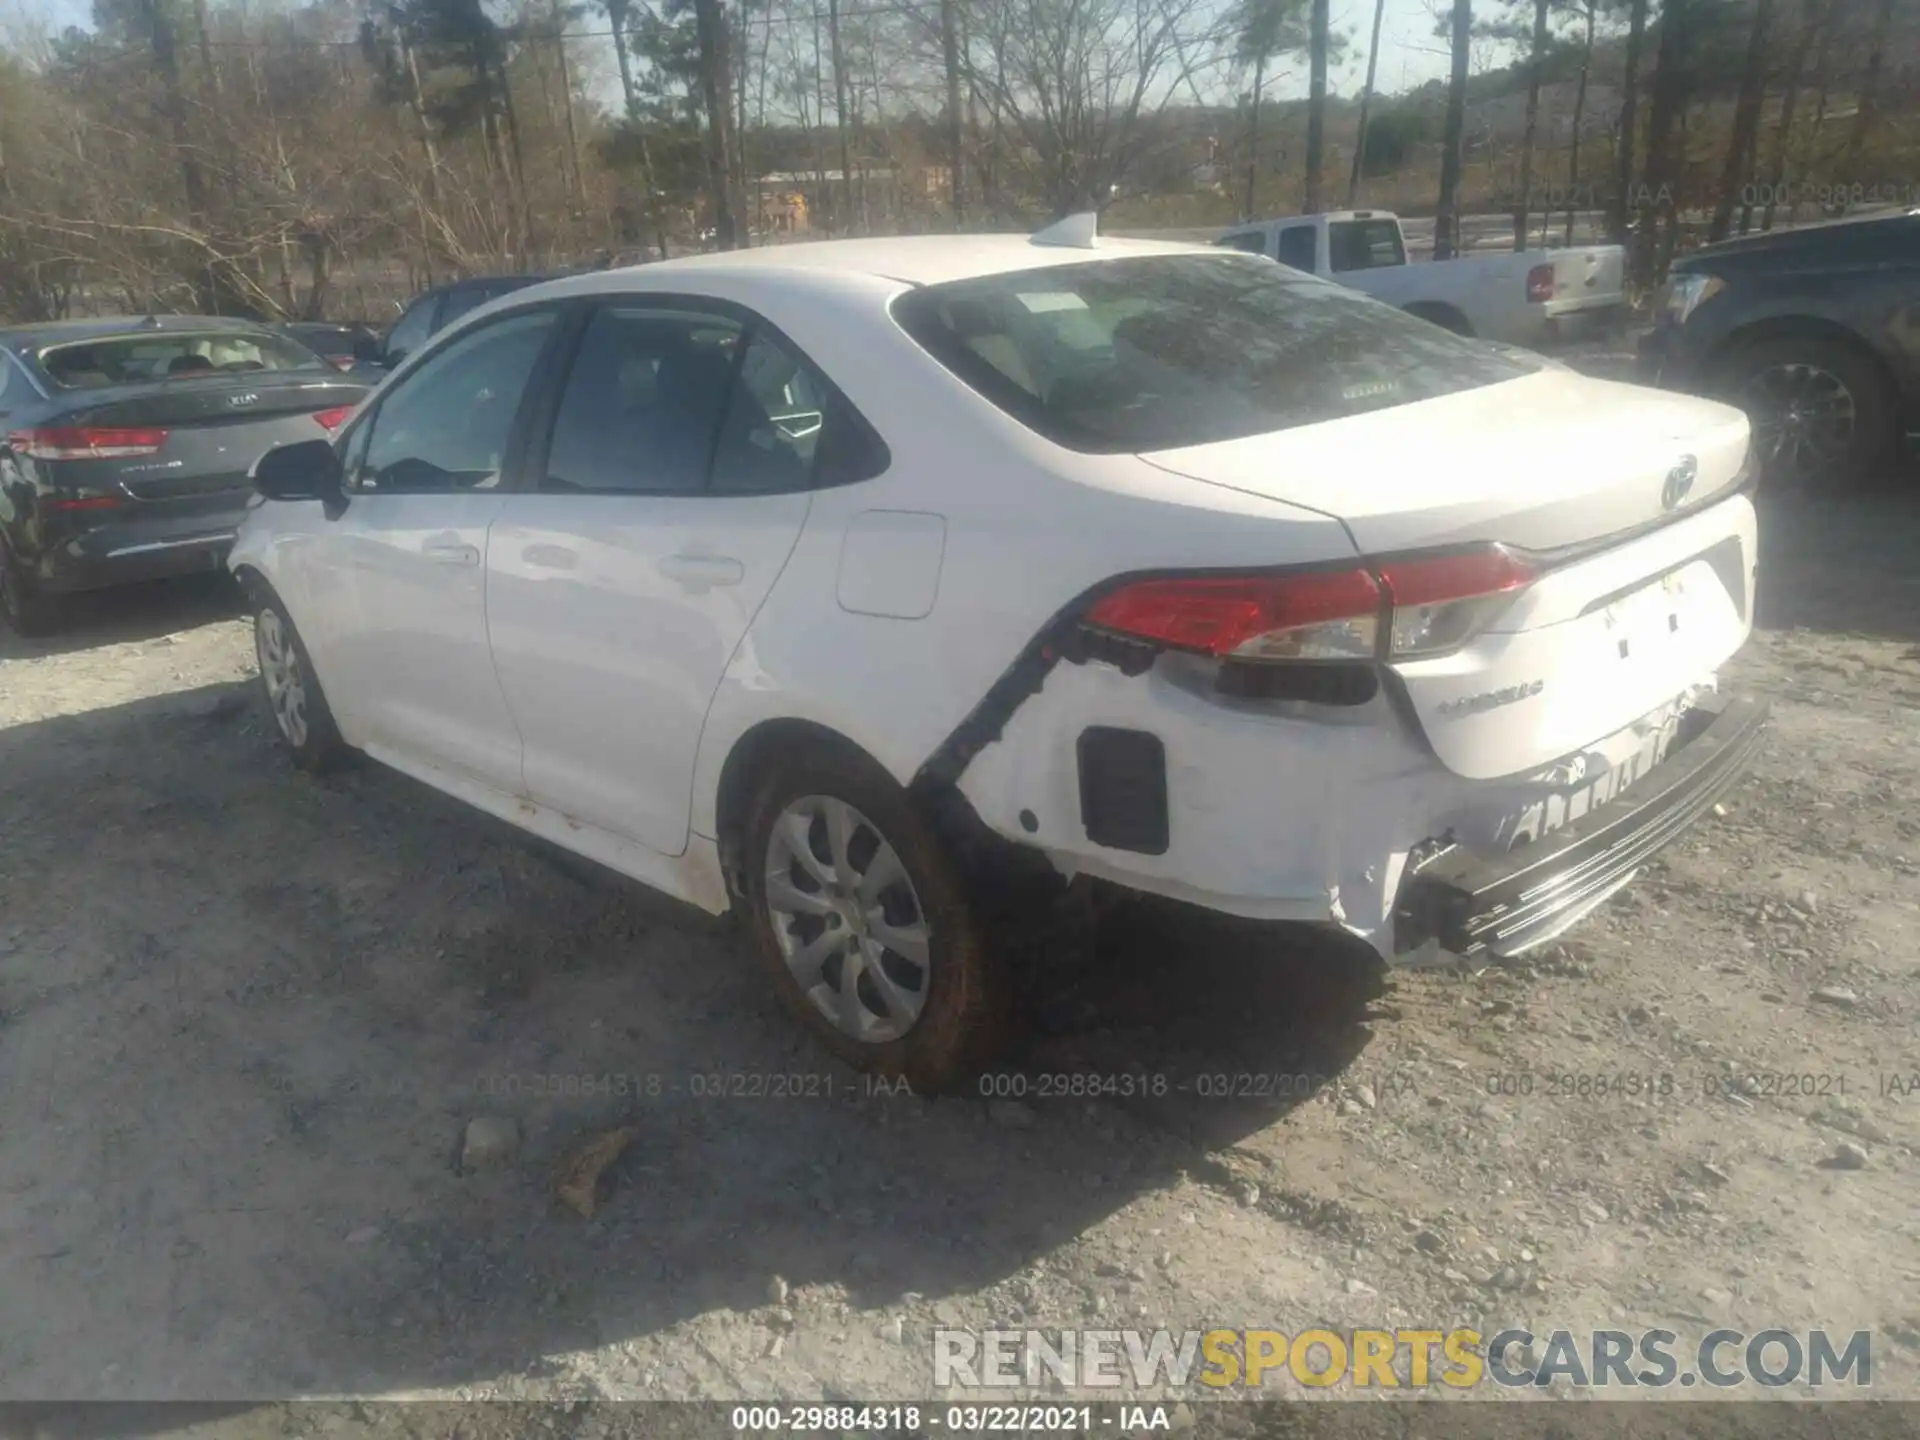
x=1472, y=903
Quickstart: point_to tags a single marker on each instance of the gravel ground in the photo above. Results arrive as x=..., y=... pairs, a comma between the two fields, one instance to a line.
x=246, y=1018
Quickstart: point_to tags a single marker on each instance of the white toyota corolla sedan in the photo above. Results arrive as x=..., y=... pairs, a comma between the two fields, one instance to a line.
x=860, y=585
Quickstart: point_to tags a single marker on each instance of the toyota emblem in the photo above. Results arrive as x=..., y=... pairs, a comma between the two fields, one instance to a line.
x=1679, y=482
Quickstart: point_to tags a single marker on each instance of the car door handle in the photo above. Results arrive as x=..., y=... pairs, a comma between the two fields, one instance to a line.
x=448, y=553
x=699, y=572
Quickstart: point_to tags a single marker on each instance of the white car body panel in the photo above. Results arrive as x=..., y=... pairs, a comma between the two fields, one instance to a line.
x=886, y=610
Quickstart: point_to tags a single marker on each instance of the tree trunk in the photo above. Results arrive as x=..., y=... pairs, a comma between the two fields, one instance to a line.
x=950, y=54
x=840, y=114
x=566, y=99
x=1579, y=118
x=1735, y=177
x=1789, y=103
x=1318, y=40
x=432, y=151
x=1535, y=60
x=1868, y=113
x=1445, y=216
x=1620, y=205
x=206, y=46
x=1670, y=85
x=710, y=24
x=1366, y=104
x=517, y=172
x=1253, y=131
x=617, y=14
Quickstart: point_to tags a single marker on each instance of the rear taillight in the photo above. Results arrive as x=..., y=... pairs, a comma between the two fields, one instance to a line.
x=333, y=419
x=85, y=442
x=1408, y=608
x=1442, y=601
x=1540, y=284
x=64, y=503
x=1312, y=615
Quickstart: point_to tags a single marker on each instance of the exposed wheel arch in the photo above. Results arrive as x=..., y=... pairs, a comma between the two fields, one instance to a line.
x=747, y=762
x=1796, y=327
x=1443, y=315
x=1812, y=340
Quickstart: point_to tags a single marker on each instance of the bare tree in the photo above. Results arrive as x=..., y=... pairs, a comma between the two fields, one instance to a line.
x=1318, y=40
x=1671, y=84
x=1868, y=114
x=1453, y=138
x=1737, y=176
x=1366, y=104
x=1621, y=204
x=1536, y=62
x=1265, y=30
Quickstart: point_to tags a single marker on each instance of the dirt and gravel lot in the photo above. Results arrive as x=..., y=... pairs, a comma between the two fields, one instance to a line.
x=246, y=1016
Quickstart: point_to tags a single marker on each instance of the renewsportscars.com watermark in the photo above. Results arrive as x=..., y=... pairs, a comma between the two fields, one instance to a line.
x=1461, y=1359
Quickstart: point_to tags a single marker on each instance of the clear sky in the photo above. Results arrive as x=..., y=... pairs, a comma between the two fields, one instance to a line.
x=1410, y=54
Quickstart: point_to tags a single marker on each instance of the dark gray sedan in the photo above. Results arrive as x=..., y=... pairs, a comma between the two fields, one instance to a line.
x=125, y=446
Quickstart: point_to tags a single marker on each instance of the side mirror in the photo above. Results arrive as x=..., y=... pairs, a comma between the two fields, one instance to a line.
x=369, y=349
x=305, y=470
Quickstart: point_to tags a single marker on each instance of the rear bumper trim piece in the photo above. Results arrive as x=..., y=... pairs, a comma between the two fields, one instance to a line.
x=1473, y=903
x=189, y=542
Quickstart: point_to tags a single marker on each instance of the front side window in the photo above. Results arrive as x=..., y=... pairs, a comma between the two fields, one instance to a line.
x=643, y=403
x=1299, y=248
x=446, y=425
x=1160, y=352
x=1364, y=245
x=142, y=359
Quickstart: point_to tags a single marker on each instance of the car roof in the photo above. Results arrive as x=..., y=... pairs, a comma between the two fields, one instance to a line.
x=100, y=327
x=907, y=259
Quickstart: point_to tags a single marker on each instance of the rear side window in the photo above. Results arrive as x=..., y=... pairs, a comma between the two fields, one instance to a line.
x=1254, y=242
x=1364, y=245
x=1299, y=248
x=142, y=359
x=643, y=403
x=1155, y=353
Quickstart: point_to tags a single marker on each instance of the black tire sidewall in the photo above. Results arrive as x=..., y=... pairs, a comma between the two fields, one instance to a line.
x=964, y=1020
x=323, y=744
x=1873, y=406
x=25, y=610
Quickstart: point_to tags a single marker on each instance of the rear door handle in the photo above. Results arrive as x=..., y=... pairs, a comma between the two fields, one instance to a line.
x=702, y=572
x=443, y=552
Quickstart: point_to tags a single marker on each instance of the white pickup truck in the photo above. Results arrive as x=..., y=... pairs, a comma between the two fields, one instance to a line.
x=1526, y=297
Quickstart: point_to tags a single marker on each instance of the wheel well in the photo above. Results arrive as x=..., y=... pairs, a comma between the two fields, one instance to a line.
x=1800, y=327
x=1443, y=315
x=251, y=581
x=752, y=753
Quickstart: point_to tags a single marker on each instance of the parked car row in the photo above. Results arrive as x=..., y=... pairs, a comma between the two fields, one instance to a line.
x=858, y=587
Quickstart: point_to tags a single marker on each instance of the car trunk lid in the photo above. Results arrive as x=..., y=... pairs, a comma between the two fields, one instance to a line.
x=1621, y=499
x=214, y=431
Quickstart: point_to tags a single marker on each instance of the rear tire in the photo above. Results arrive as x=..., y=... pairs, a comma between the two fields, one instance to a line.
x=292, y=689
x=865, y=925
x=1821, y=410
x=29, y=611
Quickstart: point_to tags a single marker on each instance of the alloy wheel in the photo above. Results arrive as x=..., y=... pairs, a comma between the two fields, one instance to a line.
x=280, y=668
x=848, y=922
x=1803, y=417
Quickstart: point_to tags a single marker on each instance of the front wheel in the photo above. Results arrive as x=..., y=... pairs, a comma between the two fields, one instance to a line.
x=1820, y=410
x=865, y=926
x=293, y=691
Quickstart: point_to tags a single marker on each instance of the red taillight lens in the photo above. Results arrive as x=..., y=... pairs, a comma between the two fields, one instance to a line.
x=1442, y=601
x=333, y=419
x=1315, y=615
x=1429, y=603
x=83, y=502
x=85, y=442
x=1540, y=283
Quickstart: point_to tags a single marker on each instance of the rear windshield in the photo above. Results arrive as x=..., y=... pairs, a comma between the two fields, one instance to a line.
x=1156, y=353
x=1364, y=245
x=137, y=359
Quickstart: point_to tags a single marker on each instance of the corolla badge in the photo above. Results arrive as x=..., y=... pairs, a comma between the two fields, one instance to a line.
x=247, y=398
x=1490, y=699
x=1679, y=482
